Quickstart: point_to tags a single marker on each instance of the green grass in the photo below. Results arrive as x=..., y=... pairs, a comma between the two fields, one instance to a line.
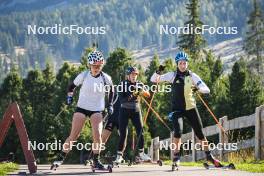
x=7, y=167
x=253, y=166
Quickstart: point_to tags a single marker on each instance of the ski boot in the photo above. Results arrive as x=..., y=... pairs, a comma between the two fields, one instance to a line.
x=210, y=158
x=176, y=162
x=58, y=161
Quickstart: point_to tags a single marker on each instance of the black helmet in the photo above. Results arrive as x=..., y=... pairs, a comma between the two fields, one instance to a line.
x=131, y=69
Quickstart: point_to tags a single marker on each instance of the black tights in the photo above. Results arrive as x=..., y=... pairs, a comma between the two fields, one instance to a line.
x=136, y=120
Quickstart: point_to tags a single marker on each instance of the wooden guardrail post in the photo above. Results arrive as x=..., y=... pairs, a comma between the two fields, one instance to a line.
x=193, y=146
x=171, y=141
x=156, y=148
x=223, y=138
x=258, y=131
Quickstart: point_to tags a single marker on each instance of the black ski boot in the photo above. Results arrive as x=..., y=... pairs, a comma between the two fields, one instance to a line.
x=58, y=161
x=176, y=162
x=97, y=163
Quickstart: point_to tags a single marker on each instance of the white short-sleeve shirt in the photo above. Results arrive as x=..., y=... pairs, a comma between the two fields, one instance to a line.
x=92, y=93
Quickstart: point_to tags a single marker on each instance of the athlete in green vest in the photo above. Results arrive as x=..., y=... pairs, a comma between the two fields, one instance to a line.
x=184, y=84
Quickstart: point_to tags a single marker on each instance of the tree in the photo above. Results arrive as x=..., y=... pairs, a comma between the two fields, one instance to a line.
x=10, y=91
x=217, y=70
x=193, y=42
x=254, y=41
x=117, y=63
x=153, y=66
x=237, y=83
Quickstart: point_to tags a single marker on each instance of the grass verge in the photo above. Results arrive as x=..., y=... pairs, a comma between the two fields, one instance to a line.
x=7, y=167
x=253, y=166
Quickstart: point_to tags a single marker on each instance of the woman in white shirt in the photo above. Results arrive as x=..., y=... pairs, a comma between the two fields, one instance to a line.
x=91, y=103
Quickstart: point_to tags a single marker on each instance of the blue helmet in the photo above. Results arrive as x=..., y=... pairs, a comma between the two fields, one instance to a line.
x=131, y=69
x=181, y=56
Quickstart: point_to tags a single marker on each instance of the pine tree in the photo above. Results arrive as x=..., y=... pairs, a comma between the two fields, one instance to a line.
x=237, y=89
x=193, y=42
x=153, y=66
x=217, y=70
x=254, y=41
x=10, y=91
x=117, y=63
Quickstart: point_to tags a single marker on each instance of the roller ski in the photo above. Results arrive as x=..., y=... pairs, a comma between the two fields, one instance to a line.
x=229, y=166
x=98, y=166
x=175, y=162
x=216, y=163
x=88, y=159
x=118, y=161
x=58, y=161
x=144, y=158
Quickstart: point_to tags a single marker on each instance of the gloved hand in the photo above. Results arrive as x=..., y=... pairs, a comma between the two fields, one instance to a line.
x=69, y=100
x=170, y=116
x=160, y=69
x=110, y=110
x=136, y=93
x=194, y=89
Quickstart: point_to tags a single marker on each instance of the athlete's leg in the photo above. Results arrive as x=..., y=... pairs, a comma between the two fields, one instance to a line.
x=105, y=135
x=123, y=129
x=136, y=120
x=196, y=123
x=177, y=128
x=96, y=120
x=78, y=121
x=77, y=125
x=97, y=127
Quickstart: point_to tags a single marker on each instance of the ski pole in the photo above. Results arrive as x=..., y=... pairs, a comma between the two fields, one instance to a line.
x=151, y=100
x=157, y=115
x=210, y=111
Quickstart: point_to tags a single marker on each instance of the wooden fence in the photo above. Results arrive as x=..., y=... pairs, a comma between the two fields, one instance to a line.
x=256, y=120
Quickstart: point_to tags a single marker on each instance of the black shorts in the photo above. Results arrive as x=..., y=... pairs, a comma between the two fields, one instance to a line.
x=194, y=120
x=86, y=112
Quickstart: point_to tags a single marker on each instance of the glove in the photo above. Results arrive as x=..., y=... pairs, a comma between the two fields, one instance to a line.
x=69, y=100
x=110, y=110
x=160, y=69
x=194, y=89
x=136, y=93
x=170, y=116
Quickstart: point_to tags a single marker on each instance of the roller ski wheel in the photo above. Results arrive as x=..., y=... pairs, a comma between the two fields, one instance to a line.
x=108, y=169
x=55, y=165
x=129, y=163
x=115, y=164
x=229, y=166
x=159, y=162
x=174, y=167
x=88, y=162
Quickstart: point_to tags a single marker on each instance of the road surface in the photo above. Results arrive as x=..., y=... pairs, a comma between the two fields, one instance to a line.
x=135, y=170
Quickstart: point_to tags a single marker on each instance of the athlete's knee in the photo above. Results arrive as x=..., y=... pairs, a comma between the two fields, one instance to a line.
x=177, y=133
x=177, y=129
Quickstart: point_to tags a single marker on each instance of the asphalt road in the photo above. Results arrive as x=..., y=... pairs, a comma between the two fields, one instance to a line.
x=135, y=170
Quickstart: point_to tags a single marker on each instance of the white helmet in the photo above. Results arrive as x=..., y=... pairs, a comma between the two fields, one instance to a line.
x=95, y=58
